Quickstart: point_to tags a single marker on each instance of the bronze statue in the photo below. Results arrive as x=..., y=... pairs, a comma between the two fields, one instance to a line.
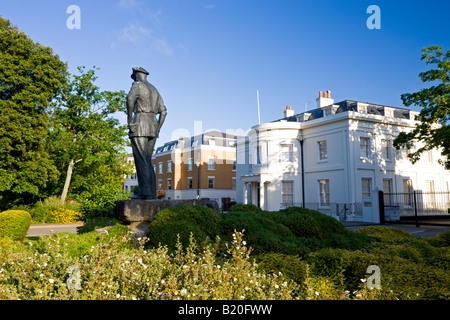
x=143, y=104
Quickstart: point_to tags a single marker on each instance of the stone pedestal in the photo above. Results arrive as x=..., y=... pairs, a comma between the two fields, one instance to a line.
x=139, y=213
x=137, y=210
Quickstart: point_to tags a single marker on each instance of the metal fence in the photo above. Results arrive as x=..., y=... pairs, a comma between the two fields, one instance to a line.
x=418, y=203
x=431, y=208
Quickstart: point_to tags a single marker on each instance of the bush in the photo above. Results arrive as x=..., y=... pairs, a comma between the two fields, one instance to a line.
x=183, y=220
x=300, y=224
x=205, y=218
x=328, y=225
x=14, y=224
x=239, y=207
x=290, y=266
x=63, y=216
x=170, y=233
x=263, y=234
x=96, y=223
x=41, y=212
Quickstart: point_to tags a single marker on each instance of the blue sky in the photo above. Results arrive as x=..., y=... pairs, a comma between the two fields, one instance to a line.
x=208, y=57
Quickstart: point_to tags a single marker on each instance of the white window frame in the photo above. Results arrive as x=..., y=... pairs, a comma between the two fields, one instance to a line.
x=211, y=165
x=289, y=155
x=169, y=184
x=407, y=192
x=366, y=193
x=190, y=184
x=324, y=193
x=169, y=166
x=386, y=149
x=387, y=197
x=190, y=164
x=366, y=154
x=287, y=193
x=160, y=167
x=323, y=150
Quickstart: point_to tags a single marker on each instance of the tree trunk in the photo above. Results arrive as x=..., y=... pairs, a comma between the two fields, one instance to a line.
x=67, y=183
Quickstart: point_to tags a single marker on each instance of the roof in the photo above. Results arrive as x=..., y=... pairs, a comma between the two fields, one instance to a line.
x=351, y=105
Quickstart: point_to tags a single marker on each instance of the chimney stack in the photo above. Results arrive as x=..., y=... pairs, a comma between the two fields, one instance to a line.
x=288, y=112
x=324, y=99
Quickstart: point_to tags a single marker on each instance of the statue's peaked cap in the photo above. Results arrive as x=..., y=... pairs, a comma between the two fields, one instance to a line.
x=138, y=69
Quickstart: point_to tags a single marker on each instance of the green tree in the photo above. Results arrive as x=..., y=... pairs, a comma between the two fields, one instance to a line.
x=433, y=129
x=30, y=77
x=87, y=142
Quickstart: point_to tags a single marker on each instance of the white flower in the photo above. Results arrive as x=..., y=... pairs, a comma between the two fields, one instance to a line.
x=363, y=280
x=183, y=291
x=317, y=293
x=117, y=296
x=51, y=280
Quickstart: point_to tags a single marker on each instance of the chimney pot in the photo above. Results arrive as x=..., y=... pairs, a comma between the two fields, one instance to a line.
x=320, y=94
x=328, y=94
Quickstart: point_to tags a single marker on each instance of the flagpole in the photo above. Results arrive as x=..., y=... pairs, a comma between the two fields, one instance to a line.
x=257, y=99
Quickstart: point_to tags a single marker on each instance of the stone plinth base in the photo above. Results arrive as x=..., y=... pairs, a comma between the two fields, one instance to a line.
x=139, y=213
x=137, y=210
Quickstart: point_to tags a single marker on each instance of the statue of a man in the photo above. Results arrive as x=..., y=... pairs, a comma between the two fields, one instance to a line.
x=143, y=104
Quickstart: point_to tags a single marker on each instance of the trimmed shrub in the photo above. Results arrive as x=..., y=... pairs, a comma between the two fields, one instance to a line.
x=291, y=266
x=263, y=234
x=327, y=224
x=300, y=224
x=239, y=207
x=14, y=224
x=168, y=234
x=205, y=218
x=183, y=220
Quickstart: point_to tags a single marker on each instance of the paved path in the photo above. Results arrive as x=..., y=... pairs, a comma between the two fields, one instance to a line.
x=44, y=229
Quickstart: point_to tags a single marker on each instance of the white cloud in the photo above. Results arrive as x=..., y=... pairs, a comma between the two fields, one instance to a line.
x=128, y=3
x=143, y=38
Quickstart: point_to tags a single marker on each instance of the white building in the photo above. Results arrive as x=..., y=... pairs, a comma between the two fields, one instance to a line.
x=333, y=159
x=131, y=181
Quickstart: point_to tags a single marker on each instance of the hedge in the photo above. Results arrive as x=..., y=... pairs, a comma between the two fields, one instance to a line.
x=14, y=224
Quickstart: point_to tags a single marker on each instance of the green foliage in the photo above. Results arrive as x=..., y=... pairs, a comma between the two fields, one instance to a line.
x=31, y=75
x=170, y=233
x=290, y=266
x=411, y=268
x=110, y=268
x=96, y=223
x=86, y=141
x=14, y=224
x=239, y=207
x=182, y=221
x=262, y=233
x=100, y=193
x=78, y=246
x=432, y=130
x=41, y=211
